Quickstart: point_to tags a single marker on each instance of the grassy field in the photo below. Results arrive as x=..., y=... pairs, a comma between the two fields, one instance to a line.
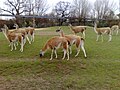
x=27, y=71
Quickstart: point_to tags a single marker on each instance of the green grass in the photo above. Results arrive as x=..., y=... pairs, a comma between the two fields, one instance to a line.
x=27, y=71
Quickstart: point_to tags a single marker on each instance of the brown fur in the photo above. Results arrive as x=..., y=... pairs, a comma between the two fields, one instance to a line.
x=13, y=34
x=30, y=30
x=106, y=30
x=13, y=38
x=102, y=31
x=74, y=39
x=115, y=28
x=77, y=29
x=54, y=43
x=19, y=31
x=71, y=37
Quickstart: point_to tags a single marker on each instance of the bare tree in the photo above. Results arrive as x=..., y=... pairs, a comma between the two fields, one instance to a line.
x=119, y=5
x=103, y=8
x=62, y=10
x=0, y=11
x=119, y=10
x=41, y=7
x=36, y=7
x=14, y=7
x=29, y=7
x=18, y=7
x=82, y=8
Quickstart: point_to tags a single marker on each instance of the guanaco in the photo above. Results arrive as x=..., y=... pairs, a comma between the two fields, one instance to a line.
x=54, y=43
x=74, y=39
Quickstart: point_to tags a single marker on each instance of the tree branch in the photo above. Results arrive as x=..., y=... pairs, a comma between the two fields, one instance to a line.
x=8, y=11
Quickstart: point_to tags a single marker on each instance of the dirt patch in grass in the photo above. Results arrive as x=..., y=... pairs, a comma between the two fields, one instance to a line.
x=24, y=83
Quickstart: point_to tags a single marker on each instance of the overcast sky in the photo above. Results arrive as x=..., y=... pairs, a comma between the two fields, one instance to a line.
x=52, y=3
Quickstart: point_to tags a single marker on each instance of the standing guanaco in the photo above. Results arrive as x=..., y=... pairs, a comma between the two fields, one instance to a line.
x=74, y=39
x=77, y=29
x=102, y=31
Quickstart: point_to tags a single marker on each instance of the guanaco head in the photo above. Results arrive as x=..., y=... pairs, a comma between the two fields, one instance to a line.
x=41, y=53
x=16, y=26
x=62, y=34
x=58, y=30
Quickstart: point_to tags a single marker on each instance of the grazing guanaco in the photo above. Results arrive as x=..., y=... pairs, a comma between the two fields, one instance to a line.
x=102, y=31
x=115, y=28
x=13, y=38
x=74, y=39
x=54, y=43
x=77, y=29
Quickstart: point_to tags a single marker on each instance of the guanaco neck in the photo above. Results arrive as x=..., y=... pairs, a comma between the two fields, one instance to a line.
x=45, y=48
x=62, y=34
x=6, y=29
x=5, y=32
x=95, y=27
x=71, y=26
x=17, y=27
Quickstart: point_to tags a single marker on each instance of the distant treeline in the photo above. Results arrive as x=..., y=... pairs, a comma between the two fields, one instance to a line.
x=46, y=22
